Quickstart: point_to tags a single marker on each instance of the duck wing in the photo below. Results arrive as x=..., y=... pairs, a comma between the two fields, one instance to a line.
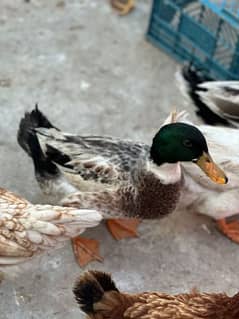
x=84, y=162
x=99, y=158
x=222, y=97
x=27, y=229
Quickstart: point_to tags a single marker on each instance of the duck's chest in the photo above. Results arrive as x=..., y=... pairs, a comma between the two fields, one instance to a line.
x=154, y=199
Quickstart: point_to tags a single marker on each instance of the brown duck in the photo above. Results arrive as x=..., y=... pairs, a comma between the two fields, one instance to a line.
x=99, y=298
x=27, y=230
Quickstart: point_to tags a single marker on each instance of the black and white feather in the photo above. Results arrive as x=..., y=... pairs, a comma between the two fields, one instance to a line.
x=217, y=102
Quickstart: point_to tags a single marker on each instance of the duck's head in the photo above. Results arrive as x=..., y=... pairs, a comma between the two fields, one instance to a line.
x=181, y=142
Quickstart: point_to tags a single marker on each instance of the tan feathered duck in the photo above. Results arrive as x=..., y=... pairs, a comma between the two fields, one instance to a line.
x=27, y=230
x=98, y=297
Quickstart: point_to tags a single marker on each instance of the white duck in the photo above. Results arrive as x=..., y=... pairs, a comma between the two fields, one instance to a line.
x=217, y=103
x=27, y=230
x=214, y=200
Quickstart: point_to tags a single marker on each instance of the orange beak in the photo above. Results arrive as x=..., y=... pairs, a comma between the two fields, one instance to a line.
x=207, y=165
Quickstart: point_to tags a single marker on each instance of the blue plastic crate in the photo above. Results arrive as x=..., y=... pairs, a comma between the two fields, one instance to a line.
x=227, y=9
x=205, y=33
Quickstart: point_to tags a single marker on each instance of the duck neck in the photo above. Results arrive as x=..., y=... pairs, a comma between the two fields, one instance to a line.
x=167, y=173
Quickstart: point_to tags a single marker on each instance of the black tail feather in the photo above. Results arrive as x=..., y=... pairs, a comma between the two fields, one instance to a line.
x=43, y=165
x=194, y=76
x=57, y=156
x=28, y=140
x=90, y=289
x=34, y=119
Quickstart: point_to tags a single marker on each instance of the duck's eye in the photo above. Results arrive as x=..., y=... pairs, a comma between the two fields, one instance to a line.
x=187, y=143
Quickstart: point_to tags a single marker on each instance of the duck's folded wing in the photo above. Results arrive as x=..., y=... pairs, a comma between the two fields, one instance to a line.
x=27, y=229
x=222, y=97
x=97, y=158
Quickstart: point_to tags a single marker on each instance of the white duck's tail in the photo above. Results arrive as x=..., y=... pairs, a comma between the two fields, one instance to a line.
x=29, y=229
x=176, y=117
x=188, y=80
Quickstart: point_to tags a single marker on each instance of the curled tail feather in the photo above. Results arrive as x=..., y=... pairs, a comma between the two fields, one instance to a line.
x=31, y=121
x=98, y=296
x=28, y=140
x=90, y=289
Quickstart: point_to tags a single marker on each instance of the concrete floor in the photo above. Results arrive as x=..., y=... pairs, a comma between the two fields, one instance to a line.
x=93, y=72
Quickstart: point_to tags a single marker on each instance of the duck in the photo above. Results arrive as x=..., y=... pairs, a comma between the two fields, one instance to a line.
x=221, y=204
x=27, y=230
x=217, y=102
x=124, y=180
x=218, y=106
x=123, y=7
x=99, y=298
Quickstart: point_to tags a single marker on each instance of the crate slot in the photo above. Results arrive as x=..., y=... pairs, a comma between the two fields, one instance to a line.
x=199, y=32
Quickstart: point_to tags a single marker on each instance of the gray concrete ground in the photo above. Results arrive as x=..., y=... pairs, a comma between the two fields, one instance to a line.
x=93, y=72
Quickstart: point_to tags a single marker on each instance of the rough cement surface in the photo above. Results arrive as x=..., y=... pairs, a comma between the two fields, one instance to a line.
x=93, y=72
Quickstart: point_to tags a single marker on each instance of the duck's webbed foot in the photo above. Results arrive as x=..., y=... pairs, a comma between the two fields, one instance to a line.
x=123, y=228
x=230, y=229
x=123, y=6
x=86, y=250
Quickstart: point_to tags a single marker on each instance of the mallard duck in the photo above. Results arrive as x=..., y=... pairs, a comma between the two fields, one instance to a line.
x=98, y=297
x=217, y=101
x=123, y=6
x=120, y=178
x=27, y=230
